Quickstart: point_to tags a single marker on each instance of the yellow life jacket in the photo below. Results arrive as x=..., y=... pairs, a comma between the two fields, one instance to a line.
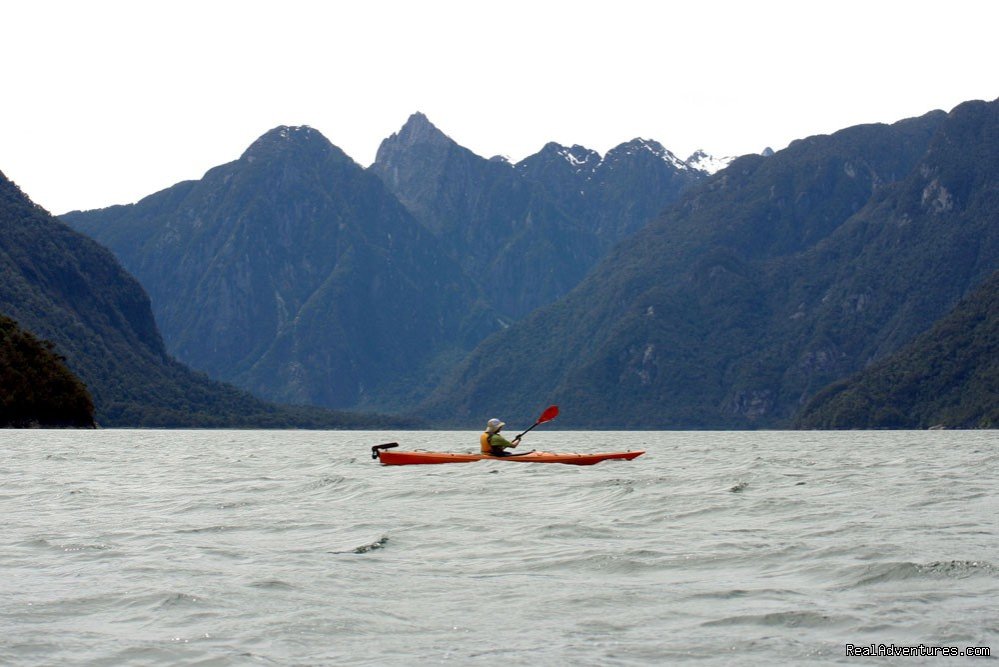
x=484, y=445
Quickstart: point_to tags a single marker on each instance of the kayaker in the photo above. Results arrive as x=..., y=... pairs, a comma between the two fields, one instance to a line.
x=491, y=442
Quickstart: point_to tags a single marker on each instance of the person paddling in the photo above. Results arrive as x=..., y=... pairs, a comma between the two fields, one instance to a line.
x=491, y=442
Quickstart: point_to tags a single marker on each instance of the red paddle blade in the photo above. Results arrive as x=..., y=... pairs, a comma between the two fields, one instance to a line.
x=548, y=415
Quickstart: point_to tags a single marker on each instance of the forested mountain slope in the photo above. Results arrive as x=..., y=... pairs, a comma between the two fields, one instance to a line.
x=948, y=376
x=297, y=275
x=63, y=287
x=36, y=388
x=774, y=278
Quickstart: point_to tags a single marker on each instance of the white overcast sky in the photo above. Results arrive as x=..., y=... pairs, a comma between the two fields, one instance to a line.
x=105, y=102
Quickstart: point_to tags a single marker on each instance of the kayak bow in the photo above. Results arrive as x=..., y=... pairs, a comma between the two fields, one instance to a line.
x=390, y=458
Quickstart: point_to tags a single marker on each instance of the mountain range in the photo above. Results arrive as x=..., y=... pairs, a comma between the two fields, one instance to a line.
x=635, y=289
x=295, y=274
x=760, y=286
x=527, y=233
x=302, y=277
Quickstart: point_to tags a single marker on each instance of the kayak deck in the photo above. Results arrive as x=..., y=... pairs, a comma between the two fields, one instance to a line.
x=389, y=458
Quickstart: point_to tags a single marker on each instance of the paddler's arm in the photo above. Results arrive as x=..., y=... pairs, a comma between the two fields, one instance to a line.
x=499, y=441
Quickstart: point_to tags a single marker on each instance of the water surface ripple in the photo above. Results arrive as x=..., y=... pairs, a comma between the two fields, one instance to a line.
x=295, y=548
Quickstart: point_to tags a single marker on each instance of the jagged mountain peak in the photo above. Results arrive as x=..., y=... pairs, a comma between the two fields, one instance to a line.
x=637, y=146
x=579, y=158
x=418, y=130
x=418, y=136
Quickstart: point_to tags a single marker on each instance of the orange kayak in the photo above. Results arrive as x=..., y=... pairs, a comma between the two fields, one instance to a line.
x=391, y=458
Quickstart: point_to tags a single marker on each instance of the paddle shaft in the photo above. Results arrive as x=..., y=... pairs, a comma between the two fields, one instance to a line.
x=521, y=435
x=546, y=416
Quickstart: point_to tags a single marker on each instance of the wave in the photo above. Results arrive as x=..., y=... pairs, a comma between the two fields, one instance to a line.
x=218, y=528
x=941, y=569
x=173, y=600
x=66, y=547
x=602, y=562
x=272, y=584
x=84, y=547
x=737, y=593
x=787, y=619
x=327, y=481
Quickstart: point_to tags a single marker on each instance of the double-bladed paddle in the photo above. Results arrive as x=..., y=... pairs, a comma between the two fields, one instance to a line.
x=549, y=414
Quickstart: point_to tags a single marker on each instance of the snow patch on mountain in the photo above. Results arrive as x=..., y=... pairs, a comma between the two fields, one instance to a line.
x=663, y=153
x=587, y=162
x=708, y=163
x=580, y=158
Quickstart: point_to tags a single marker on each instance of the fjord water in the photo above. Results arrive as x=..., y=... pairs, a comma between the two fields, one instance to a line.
x=295, y=548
